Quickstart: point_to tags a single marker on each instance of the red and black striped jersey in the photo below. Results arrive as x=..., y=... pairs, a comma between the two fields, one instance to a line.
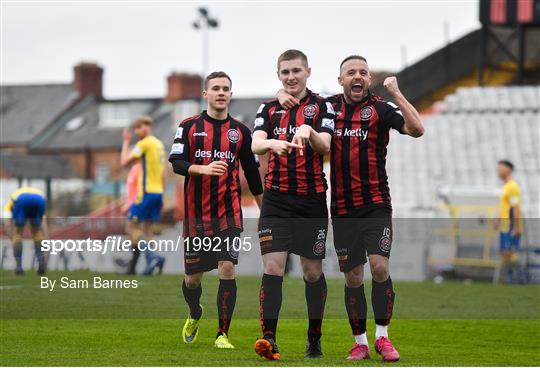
x=358, y=156
x=293, y=173
x=212, y=203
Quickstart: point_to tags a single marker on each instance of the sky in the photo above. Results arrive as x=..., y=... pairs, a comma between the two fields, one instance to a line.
x=140, y=43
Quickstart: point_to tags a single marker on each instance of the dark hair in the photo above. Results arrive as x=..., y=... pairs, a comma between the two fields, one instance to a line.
x=507, y=164
x=215, y=75
x=352, y=57
x=291, y=55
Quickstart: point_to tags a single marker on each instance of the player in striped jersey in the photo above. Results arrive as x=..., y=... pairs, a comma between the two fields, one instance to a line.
x=361, y=206
x=294, y=215
x=208, y=149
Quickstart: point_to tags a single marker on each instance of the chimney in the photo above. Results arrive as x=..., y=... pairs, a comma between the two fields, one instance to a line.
x=88, y=79
x=181, y=86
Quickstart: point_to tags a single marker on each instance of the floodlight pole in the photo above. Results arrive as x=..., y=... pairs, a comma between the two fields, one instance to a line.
x=204, y=23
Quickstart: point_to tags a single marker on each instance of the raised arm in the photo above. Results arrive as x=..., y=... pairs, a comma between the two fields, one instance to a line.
x=413, y=123
x=126, y=157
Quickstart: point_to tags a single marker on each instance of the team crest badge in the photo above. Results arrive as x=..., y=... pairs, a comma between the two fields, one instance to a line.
x=366, y=113
x=309, y=111
x=233, y=135
x=319, y=248
x=386, y=241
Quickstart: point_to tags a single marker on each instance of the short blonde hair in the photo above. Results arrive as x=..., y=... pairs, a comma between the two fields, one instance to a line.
x=143, y=120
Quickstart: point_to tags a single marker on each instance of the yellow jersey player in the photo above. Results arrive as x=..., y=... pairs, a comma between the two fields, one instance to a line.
x=509, y=222
x=27, y=204
x=150, y=152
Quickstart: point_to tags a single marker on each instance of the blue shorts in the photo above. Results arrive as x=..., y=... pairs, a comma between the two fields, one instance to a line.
x=509, y=241
x=28, y=207
x=148, y=209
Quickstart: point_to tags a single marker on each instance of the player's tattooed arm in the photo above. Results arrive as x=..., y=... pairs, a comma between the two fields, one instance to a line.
x=413, y=123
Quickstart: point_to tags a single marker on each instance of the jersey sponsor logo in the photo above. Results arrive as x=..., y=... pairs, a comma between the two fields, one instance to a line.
x=215, y=155
x=233, y=136
x=279, y=112
x=309, y=111
x=258, y=122
x=385, y=243
x=366, y=113
x=289, y=130
x=179, y=132
x=200, y=134
x=358, y=132
x=177, y=149
x=328, y=123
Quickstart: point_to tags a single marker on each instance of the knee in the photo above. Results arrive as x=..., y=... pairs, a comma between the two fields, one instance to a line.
x=274, y=268
x=192, y=282
x=379, y=271
x=226, y=270
x=312, y=273
x=354, y=278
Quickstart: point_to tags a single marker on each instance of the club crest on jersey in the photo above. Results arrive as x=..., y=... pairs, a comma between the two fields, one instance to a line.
x=233, y=135
x=386, y=241
x=233, y=253
x=309, y=111
x=319, y=248
x=366, y=112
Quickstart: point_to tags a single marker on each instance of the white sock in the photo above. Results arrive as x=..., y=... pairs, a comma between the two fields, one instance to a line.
x=361, y=339
x=381, y=331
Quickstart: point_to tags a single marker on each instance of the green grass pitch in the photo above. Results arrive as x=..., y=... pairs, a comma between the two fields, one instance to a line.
x=434, y=324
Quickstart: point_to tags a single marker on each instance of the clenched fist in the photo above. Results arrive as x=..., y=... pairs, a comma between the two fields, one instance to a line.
x=391, y=85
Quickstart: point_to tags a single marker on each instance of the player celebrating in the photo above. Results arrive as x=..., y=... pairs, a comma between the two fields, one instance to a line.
x=145, y=210
x=361, y=207
x=207, y=150
x=294, y=216
x=509, y=222
x=27, y=204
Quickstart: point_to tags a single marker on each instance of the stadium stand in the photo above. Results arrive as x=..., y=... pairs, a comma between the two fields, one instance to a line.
x=462, y=144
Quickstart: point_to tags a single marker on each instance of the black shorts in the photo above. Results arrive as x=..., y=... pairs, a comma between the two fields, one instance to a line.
x=202, y=254
x=294, y=224
x=367, y=230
